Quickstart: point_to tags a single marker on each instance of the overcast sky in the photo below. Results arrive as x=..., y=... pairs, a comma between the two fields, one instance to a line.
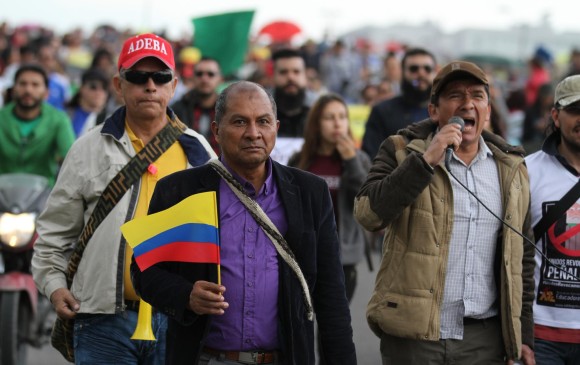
x=314, y=16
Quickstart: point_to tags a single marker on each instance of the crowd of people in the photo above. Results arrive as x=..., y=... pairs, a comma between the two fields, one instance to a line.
x=458, y=173
x=361, y=73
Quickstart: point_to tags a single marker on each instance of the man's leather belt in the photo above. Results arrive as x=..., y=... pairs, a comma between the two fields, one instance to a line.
x=249, y=357
x=469, y=320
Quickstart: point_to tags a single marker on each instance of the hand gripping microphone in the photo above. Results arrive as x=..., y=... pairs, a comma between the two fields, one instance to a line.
x=449, y=150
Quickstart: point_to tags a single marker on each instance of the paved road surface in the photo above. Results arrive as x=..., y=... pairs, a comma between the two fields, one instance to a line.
x=367, y=344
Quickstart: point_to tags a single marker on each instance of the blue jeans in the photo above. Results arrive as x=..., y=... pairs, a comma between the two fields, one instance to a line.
x=106, y=339
x=556, y=353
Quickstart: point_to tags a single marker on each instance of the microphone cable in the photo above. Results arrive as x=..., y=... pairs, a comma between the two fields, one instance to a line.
x=561, y=267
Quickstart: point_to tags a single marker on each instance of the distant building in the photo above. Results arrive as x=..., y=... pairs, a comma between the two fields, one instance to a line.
x=516, y=43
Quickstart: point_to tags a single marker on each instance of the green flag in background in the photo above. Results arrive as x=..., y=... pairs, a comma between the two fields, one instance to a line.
x=224, y=37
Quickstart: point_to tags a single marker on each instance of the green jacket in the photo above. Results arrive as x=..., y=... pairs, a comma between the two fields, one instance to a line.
x=415, y=204
x=40, y=152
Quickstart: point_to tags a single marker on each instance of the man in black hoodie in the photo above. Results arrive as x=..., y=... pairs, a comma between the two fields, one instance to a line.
x=387, y=117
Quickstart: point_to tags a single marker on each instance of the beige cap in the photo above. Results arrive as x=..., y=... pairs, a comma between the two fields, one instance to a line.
x=568, y=91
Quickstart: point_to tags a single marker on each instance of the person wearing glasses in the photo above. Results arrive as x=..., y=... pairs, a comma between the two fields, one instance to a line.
x=388, y=116
x=196, y=107
x=554, y=171
x=102, y=299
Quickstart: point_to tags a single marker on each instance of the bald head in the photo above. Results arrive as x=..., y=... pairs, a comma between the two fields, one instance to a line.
x=221, y=106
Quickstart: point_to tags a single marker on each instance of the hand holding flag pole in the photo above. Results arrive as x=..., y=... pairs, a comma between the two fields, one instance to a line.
x=186, y=232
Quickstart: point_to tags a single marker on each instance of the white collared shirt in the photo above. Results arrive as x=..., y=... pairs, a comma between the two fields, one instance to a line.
x=470, y=288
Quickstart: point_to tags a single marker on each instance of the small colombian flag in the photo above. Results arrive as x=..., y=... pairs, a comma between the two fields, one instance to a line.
x=186, y=232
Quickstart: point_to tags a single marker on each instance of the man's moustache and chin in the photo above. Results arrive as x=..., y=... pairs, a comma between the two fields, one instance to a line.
x=28, y=103
x=412, y=92
x=291, y=86
x=203, y=93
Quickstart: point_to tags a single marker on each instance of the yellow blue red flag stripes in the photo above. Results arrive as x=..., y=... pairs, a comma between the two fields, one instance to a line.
x=186, y=232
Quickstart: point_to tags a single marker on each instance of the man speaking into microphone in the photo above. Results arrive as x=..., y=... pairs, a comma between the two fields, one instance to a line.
x=455, y=284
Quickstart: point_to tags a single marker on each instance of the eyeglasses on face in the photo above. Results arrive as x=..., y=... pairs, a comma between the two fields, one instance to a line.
x=208, y=73
x=415, y=68
x=142, y=77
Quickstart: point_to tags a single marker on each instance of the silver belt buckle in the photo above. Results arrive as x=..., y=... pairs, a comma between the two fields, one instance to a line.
x=250, y=357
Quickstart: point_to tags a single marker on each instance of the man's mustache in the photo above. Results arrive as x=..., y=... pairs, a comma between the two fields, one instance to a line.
x=419, y=80
x=290, y=83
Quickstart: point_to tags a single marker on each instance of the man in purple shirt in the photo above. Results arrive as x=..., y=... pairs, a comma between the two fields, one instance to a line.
x=262, y=313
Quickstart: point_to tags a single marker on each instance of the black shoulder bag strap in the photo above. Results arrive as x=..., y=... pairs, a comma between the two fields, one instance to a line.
x=557, y=211
x=119, y=185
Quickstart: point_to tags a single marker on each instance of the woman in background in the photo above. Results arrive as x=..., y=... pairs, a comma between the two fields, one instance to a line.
x=86, y=109
x=329, y=152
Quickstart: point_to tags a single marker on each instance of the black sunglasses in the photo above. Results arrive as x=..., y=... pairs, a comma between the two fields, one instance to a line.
x=201, y=73
x=415, y=68
x=141, y=77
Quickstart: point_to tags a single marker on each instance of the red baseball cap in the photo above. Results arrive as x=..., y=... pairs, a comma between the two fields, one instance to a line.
x=141, y=46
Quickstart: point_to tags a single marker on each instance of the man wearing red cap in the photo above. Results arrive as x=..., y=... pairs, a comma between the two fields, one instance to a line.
x=102, y=298
x=456, y=284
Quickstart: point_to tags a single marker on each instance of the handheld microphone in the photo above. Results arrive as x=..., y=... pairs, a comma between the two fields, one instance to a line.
x=449, y=150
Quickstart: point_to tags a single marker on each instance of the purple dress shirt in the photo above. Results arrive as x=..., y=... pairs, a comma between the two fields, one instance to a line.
x=249, y=270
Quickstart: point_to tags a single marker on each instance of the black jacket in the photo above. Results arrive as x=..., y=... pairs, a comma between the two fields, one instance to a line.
x=188, y=110
x=385, y=120
x=313, y=239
